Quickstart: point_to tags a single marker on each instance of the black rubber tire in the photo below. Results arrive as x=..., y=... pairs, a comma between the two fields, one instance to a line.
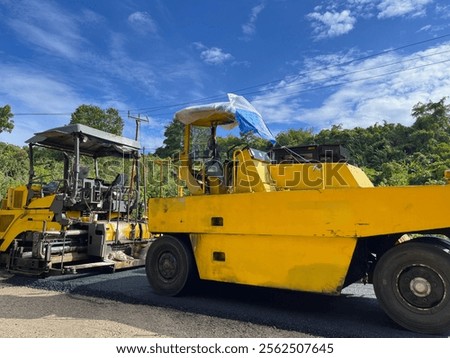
x=170, y=266
x=412, y=282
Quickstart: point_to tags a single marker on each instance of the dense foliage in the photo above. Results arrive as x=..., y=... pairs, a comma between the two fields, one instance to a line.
x=391, y=154
x=6, y=122
x=173, y=140
x=107, y=120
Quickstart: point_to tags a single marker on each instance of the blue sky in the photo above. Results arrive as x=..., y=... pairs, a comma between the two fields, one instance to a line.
x=302, y=64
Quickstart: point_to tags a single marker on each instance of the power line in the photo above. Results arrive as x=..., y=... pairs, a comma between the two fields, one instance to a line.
x=351, y=72
x=42, y=114
x=342, y=83
x=304, y=73
x=147, y=110
x=304, y=83
x=359, y=79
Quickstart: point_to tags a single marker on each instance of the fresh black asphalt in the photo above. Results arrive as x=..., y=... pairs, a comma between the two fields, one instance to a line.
x=355, y=313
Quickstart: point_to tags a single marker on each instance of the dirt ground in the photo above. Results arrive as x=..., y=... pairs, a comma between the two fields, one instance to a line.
x=32, y=313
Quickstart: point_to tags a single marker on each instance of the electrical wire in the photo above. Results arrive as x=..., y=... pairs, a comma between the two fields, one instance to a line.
x=316, y=88
x=327, y=79
x=244, y=91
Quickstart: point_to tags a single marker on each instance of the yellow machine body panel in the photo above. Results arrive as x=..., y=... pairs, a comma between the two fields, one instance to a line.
x=299, y=239
x=318, y=176
x=17, y=218
x=290, y=262
x=23, y=221
x=124, y=231
x=250, y=174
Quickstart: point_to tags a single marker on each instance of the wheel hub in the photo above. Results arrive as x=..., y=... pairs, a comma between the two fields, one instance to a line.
x=421, y=287
x=167, y=265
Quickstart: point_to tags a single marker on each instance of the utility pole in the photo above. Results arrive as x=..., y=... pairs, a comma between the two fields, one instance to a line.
x=138, y=120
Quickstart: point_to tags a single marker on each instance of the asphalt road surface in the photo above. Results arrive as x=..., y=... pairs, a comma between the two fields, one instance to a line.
x=355, y=313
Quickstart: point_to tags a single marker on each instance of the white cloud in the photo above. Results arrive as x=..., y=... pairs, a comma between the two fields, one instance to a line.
x=337, y=18
x=394, y=8
x=48, y=27
x=215, y=56
x=142, y=22
x=443, y=11
x=51, y=42
x=212, y=55
x=36, y=90
x=332, y=24
x=249, y=28
x=120, y=64
x=89, y=16
x=361, y=6
x=63, y=69
x=28, y=90
x=151, y=140
x=384, y=88
x=425, y=28
x=59, y=33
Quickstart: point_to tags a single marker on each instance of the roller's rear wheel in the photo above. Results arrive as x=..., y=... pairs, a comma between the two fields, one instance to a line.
x=412, y=282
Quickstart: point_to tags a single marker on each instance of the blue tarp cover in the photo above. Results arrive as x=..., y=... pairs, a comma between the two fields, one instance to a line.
x=249, y=119
x=238, y=111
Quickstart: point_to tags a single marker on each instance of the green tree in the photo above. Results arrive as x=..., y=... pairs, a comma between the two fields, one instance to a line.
x=255, y=141
x=390, y=153
x=432, y=125
x=228, y=144
x=432, y=116
x=429, y=142
x=107, y=120
x=293, y=137
x=14, y=168
x=161, y=177
x=173, y=142
x=6, y=122
x=392, y=173
x=48, y=164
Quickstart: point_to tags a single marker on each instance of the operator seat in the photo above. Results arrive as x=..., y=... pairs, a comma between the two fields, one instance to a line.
x=214, y=172
x=113, y=197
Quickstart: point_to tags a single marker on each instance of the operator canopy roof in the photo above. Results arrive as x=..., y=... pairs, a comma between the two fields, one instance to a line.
x=93, y=142
x=238, y=111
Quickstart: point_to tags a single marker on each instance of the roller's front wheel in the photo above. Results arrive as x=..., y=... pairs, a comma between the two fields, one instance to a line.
x=170, y=266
